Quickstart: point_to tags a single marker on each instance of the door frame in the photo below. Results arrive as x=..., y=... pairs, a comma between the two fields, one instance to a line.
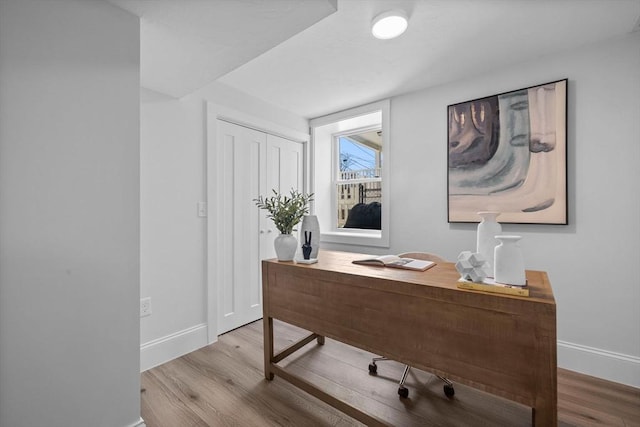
x=215, y=230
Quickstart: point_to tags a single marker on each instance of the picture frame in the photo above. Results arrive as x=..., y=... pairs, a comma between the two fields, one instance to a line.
x=508, y=153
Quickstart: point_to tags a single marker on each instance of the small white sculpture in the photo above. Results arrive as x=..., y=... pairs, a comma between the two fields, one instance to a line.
x=473, y=266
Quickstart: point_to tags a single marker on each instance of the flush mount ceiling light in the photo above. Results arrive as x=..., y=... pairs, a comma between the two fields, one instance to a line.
x=389, y=25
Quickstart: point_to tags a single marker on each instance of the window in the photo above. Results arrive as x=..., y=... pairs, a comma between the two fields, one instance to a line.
x=349, y=175
x=358, y=179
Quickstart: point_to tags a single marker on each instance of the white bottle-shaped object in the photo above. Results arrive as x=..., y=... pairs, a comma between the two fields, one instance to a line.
x=487, y=230
x=509, y=262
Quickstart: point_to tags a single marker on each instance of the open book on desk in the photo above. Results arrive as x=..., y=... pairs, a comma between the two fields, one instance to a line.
x=396, y=262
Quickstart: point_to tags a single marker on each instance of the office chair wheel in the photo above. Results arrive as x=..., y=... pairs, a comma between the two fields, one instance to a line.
x=403, y=392
x=373, y=368
x=449, y=391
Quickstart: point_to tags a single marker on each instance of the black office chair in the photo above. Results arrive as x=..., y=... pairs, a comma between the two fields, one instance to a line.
x=449, y=391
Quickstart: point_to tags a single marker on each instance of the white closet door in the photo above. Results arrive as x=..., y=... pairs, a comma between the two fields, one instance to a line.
x=244, y=176
x=254, y=163
x=284, y=172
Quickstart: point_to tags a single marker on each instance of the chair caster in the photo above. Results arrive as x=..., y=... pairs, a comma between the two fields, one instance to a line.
x=373, y=368
x=449, y=391
x=403, y=392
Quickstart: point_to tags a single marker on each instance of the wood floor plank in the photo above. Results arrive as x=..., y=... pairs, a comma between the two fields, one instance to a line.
x=223, y=385
x=276, y=401
x=161, y=407
x=573, y=413
x=600, y=396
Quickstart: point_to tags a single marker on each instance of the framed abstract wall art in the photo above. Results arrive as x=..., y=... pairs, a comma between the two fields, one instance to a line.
x=508, y=153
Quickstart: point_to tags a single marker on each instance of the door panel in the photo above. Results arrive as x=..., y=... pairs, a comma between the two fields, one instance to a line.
x=239, y=293
x=226, y=295
x=254, y=163
x=285, y=164
x=284, y=172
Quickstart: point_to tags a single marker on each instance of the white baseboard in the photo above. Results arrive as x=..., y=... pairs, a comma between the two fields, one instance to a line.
x=139, y=423
x=608, y=365
x=164, y=349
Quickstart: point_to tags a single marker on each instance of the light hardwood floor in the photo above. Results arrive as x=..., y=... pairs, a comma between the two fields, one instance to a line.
x=223, y=385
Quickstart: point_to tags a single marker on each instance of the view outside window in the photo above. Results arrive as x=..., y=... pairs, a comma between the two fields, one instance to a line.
x=359, y=182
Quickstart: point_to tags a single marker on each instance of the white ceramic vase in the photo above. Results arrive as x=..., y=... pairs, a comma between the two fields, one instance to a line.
x=310, y=223
x=486, y=242
x=509, y=262
x=285, y=246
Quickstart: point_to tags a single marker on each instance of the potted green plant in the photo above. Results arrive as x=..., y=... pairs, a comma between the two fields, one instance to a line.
x=285, y=212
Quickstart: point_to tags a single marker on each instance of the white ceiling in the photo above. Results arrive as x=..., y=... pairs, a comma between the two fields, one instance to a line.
x=187, y=44
x=299, y=56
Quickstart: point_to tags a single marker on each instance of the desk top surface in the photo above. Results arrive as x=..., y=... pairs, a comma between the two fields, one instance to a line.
x=443, y=275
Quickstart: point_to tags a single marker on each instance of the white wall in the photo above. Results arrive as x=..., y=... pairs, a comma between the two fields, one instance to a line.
x=173, y=237
x=592, y=262
x=69, y=203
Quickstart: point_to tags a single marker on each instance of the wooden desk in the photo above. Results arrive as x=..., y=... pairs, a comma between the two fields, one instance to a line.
x=501, y=344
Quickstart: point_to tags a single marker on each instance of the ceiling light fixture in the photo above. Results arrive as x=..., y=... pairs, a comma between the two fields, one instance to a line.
x=389, y=25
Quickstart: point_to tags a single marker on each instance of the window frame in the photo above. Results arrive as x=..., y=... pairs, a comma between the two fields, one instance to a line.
x=329, y=231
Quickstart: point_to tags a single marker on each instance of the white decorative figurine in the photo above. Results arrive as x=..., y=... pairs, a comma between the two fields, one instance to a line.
x=473, y=266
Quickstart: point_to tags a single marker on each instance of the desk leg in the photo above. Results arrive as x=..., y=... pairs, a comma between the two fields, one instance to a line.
x=320, y=340
x=545, y=412
x=268, y=347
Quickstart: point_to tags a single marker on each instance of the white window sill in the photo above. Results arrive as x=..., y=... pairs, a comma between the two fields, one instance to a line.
x=360, y=237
